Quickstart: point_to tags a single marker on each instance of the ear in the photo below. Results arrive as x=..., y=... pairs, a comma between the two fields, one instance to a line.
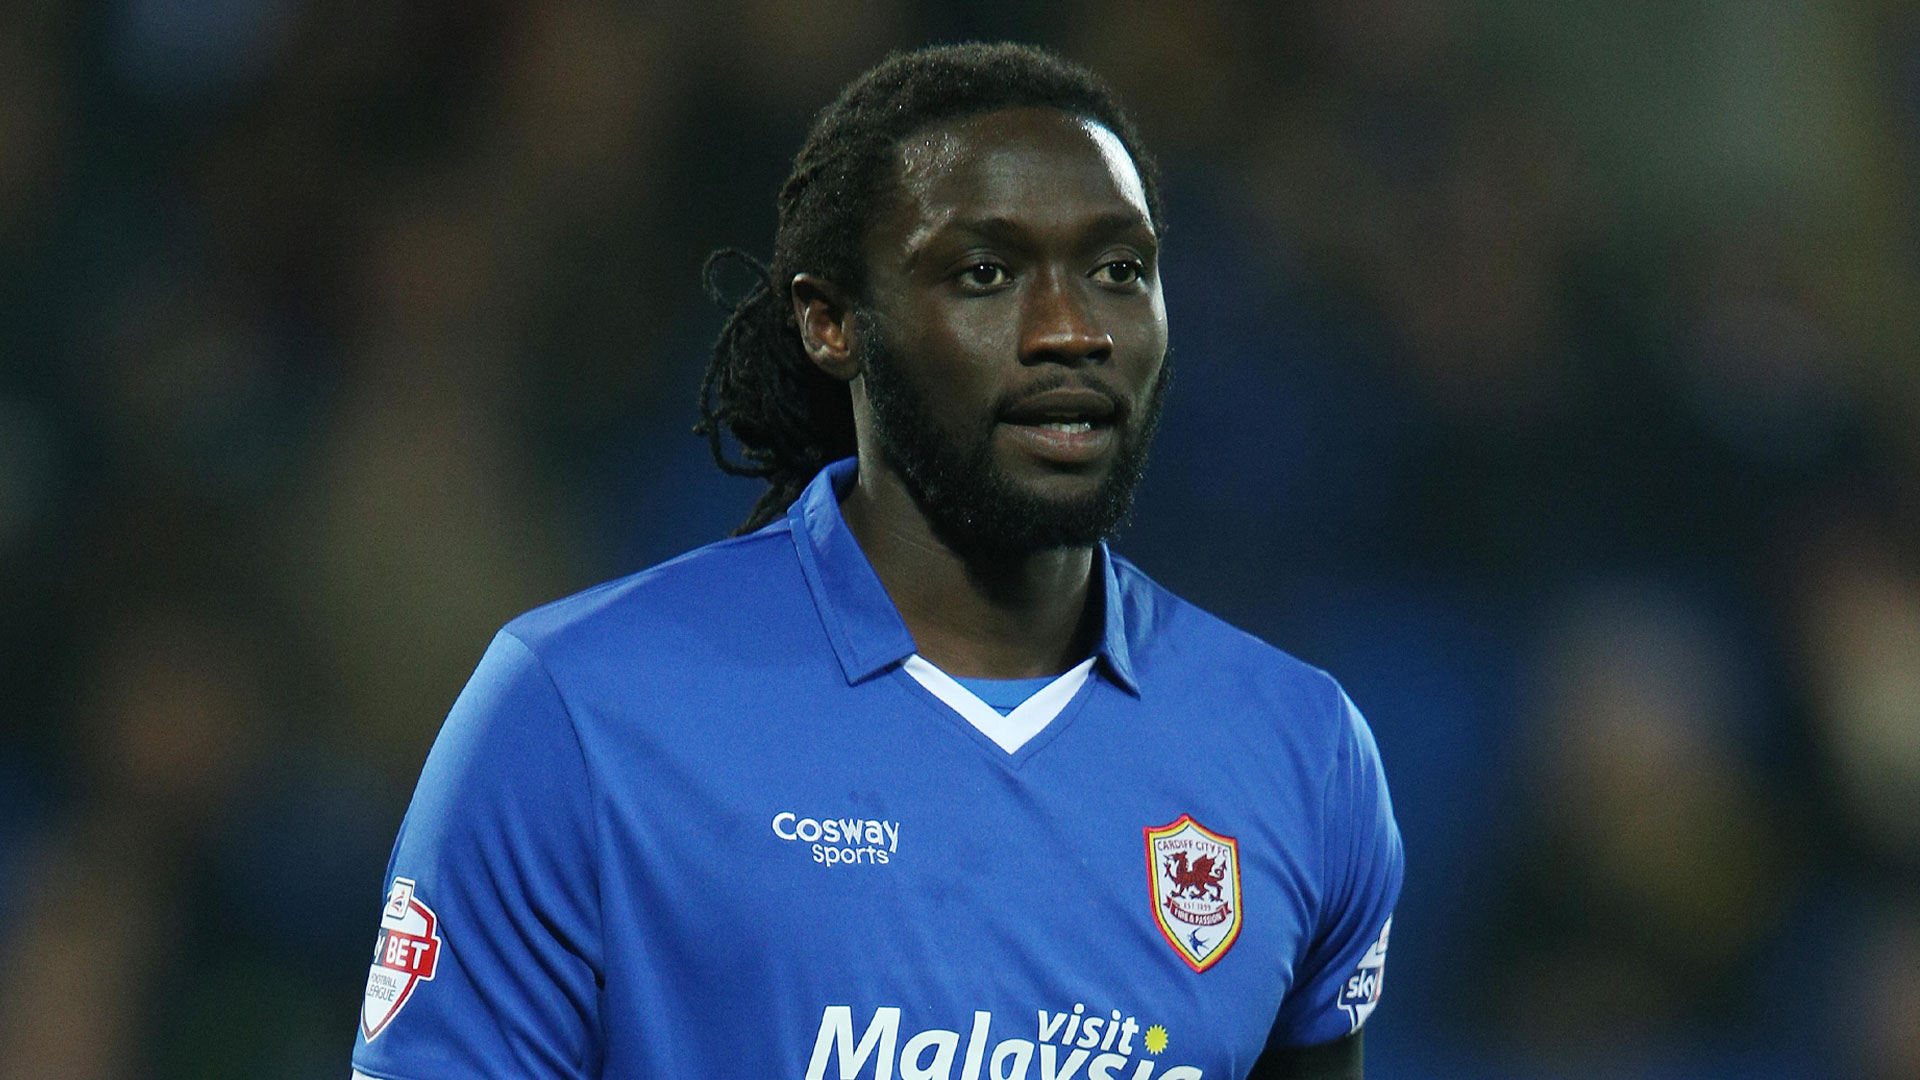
x=825, y=319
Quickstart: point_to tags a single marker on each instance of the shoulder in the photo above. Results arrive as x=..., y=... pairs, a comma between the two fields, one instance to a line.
x=1175, y=642
x=714, y=599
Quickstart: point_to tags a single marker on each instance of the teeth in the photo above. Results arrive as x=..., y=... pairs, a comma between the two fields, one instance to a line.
x=1071, y=427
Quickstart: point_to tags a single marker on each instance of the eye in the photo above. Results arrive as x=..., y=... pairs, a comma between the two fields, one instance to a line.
x=1120, y=272
x=984, y=275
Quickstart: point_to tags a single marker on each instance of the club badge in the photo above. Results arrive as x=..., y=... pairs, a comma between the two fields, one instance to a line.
x=1194, y=873
x=405, y=955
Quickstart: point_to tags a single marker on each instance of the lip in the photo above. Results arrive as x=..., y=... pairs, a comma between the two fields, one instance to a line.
x=1062, y=447
x=1063, y=404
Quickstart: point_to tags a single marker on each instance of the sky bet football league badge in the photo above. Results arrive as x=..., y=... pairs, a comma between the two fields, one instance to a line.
x=405, y=955
x=1195, y=874
x=1361, y=992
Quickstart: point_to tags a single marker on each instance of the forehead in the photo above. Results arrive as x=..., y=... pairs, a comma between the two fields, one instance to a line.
x=1040, y=166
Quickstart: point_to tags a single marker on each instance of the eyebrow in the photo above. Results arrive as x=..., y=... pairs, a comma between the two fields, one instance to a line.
x=997, y=228
x=1005, y=230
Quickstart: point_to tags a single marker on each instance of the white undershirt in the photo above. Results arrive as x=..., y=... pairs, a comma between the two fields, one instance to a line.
x=1012, y=731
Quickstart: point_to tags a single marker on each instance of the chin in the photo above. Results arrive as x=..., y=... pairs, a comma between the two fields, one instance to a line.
x=1005, y=518
x=1061, y=493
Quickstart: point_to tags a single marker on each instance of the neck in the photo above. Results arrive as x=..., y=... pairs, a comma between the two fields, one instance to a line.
x=996, y=616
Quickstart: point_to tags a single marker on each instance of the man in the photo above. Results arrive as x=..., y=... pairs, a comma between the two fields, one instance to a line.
x=914, y=778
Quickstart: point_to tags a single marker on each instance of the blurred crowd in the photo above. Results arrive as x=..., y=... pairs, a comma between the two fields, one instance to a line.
x=1546, y=371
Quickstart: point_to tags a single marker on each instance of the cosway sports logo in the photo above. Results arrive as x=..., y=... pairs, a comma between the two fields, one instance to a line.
x=1064, y=1043
x=841, y=841
x=405, y=955
x=1194, y=874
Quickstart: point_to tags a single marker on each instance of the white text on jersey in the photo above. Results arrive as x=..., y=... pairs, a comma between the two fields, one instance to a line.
x=841, y=840
x=930, y=1054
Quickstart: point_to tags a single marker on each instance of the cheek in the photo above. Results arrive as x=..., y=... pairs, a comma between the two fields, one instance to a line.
x=1140, y=335
x=1155, y=330
x=972, y=332
x=960, y=354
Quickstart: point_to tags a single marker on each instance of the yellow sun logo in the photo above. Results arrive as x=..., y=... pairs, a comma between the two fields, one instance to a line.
x=1156, y=1039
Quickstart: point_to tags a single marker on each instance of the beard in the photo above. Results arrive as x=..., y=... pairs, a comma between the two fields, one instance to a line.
x=973, y=506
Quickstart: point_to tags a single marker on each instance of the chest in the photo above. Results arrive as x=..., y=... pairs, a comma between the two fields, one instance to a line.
x=832, y=887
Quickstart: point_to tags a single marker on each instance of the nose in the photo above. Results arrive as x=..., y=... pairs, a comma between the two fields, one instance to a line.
x=1057, y=326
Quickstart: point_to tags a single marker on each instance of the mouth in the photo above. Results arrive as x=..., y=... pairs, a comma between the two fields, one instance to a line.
x=1066, y=425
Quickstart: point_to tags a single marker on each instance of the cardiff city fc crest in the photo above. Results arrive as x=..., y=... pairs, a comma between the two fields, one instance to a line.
x=1195, y=875
x=404, y=957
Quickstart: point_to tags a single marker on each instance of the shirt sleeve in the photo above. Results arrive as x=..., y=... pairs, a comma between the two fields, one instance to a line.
x=488, y=959
x=1337, y=983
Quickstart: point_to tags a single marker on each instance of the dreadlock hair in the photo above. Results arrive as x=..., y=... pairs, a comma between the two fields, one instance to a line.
x=789, y=417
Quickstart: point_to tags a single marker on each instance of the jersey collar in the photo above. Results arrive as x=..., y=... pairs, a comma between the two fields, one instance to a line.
x=865, y=628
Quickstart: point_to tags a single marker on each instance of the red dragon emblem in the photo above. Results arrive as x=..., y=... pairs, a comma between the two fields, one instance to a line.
x=1201, y=880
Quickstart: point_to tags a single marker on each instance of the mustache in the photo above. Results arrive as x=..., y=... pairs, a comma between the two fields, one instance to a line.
x=1120, y=407
x=1124, y=408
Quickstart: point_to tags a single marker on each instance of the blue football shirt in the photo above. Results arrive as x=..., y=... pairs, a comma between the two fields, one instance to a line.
x=699, y=822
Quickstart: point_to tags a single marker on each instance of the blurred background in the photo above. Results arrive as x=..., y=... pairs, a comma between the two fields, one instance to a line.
x=1547, y=371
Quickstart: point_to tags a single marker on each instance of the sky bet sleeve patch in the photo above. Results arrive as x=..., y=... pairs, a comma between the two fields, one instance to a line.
x=404, y=956
x=1361, y=991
